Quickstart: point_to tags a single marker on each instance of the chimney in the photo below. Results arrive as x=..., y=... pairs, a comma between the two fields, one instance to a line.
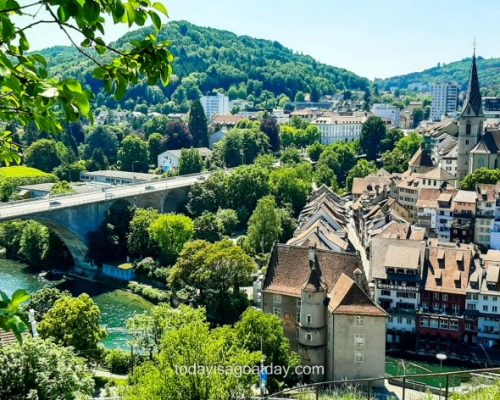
x=312, y=256
x=358, y=277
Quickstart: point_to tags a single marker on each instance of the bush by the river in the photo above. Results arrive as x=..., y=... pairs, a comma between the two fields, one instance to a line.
x=150, y=293
x=118, y=361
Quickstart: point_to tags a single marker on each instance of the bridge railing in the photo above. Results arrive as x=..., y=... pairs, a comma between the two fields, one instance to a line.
x=426, y=386
x=114, y=190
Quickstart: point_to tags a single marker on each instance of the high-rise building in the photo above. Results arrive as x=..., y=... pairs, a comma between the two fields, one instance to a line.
x=444, y=100
x=215, y=105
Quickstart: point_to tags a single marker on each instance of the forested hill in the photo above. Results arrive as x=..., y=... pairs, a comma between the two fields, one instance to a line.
x=458, y=71
x=208, y=59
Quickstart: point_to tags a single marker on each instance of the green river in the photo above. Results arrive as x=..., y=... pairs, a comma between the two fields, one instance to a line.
x=116, y=305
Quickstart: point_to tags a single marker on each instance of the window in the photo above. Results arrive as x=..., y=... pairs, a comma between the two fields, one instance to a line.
x=485, y=308
x=467, y=128
x=400, y=320
x=424, y=322
x=309, y=337
x=308, y=319
x=277, y=298
x=445, y=297
x=299, y=302
x=359, y=320
x=456, y=308
x=435, y=296
x=485, y=298
x=359, y=356
x=297, y=317
x=494, y=308
x=277, y=311
x=454, y=325
x=409, y=321
x=385, y=293
x=359, y=339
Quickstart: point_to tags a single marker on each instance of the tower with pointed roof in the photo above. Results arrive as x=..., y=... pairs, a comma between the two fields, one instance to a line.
x=312, y=326
x=470, y=123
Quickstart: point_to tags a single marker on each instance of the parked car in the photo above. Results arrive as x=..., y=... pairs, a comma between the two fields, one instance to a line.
x=54, y=204
x=201, y=178
x=149, y=187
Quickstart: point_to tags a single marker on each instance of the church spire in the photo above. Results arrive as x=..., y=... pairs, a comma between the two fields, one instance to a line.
x=472, y=103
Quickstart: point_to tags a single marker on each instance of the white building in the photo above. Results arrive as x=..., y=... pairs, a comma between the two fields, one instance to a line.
x=444, y=100
x=170, y=158
x=215, y=105
x=387, y=112
x=339, y=128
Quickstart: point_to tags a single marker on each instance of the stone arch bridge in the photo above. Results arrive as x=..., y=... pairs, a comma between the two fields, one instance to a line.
x=74, y=216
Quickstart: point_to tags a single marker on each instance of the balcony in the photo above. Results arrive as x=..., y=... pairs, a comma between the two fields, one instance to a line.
x=398, y=287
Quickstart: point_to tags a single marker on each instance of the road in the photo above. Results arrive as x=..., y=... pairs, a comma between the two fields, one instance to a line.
x=27, y=207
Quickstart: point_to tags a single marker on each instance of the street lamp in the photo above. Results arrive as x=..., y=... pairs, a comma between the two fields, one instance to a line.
x=441, y=357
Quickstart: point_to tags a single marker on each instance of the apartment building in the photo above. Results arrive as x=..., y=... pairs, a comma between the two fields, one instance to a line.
x=485, y=214
x=215, y=105
x=388, y=113
x=440, y=321
x=444, y=100
x=464, y=212
x=339, y=128
x=397, y=267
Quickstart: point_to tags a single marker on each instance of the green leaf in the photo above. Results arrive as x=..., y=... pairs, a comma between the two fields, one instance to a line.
x=161, y=8
x=156, y=20
x=50, y=92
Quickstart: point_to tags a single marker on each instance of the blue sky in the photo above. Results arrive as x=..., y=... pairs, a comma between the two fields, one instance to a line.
x=373, y=38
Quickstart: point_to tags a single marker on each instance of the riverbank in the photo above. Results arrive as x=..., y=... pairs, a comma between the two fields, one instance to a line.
x=116, y=304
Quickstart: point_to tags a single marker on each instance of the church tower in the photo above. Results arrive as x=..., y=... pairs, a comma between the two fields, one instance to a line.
x=470, y=123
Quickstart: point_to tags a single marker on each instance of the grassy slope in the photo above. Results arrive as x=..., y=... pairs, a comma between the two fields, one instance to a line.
x=21, y=172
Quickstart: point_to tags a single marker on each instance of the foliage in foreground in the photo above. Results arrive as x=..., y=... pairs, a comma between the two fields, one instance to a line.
x=41, y=370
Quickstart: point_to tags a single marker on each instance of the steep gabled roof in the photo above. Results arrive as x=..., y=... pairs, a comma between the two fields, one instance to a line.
x=347, y=297
x=473, y=103
x=289, y=268
x=421, y=158
x=489, y=143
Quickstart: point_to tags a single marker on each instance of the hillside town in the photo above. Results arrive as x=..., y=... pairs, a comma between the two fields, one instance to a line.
x=188, y=213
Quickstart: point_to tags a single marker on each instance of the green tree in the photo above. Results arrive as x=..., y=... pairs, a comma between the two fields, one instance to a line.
x=289, y=189
x=43, y=300
x=70, y=172
x=103, y=137
x=154, y=147
x=62, y=187
x=409, y=144
x=139, y=242
x=299, y=97
x=288, y=223
x=193, y=342
x=33, y=243
x=32, y=95
x=198, y=124
x=270, y=127
x=390, y=139
x=340, y=158
x=372, y=133
x=133, y=154
x=74, y=321
x=207, y=227
x=325, y=176
x=40, y=369
x=98, y=161
x=227, y=220
x=208, y=196
x=170, y=232
x=190, y=162
x=314, y=151
x=264, y=227
x=394, y=161
x=242, y=146
x=245, y=186
x=212, y=274
x=43, y=155
x=360, y=170
x=481, y=175
x=257, y=330
x=290, y=156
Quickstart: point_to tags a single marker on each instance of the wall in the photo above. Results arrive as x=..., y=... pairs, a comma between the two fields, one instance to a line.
x=344, y=347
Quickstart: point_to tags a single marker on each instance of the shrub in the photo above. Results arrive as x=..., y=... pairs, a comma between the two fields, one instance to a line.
x=118, y=361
